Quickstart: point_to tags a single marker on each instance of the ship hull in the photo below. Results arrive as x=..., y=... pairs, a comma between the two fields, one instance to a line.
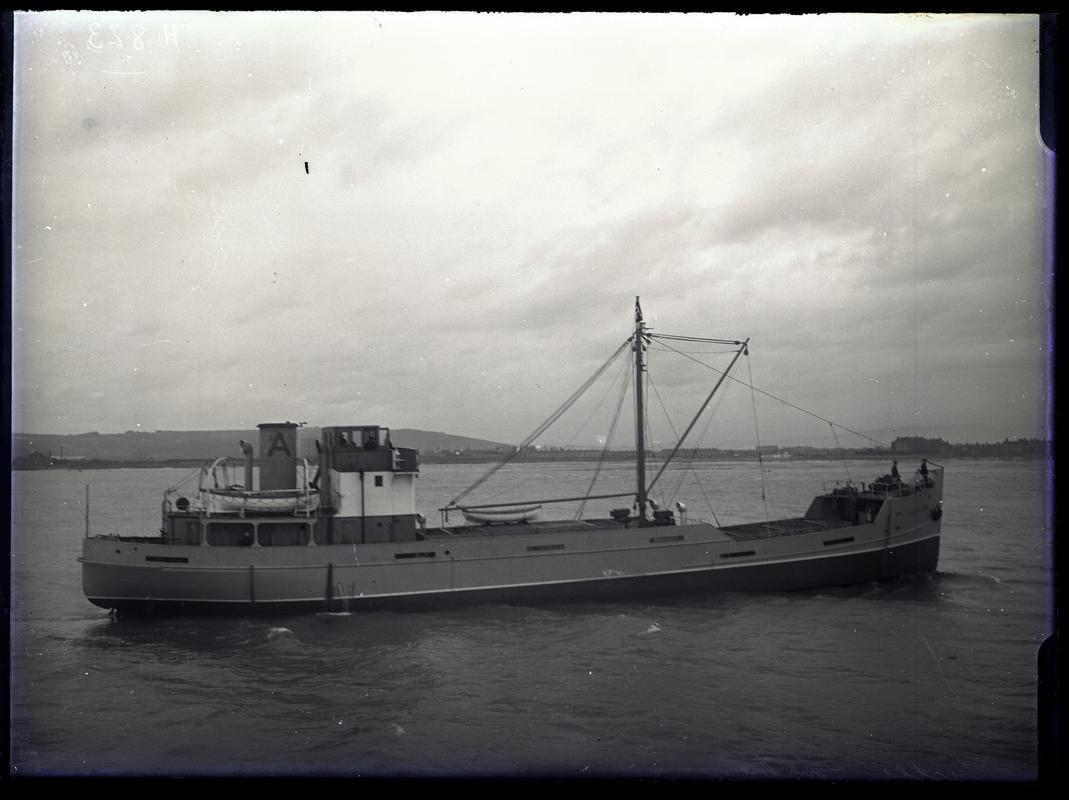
x=917, y=557
x=142, y=576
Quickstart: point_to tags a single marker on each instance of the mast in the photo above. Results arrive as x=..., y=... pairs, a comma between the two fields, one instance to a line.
x=640, y=415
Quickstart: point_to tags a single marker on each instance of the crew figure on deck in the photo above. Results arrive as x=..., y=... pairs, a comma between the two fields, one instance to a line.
x=924, y=471
x=894, y=471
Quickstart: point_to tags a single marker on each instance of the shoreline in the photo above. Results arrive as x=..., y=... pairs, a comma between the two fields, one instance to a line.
x=555, y=457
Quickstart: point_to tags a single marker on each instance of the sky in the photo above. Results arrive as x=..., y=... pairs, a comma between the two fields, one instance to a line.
x=442, y=220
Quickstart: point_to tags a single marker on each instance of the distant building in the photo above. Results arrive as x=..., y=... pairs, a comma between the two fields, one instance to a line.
x=1007, y=448
x=1015, y=448
x=34, y=460
x=1024, y=447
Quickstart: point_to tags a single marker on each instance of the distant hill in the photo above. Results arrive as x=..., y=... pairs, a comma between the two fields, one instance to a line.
x=431, y=441
x=958, y=434
x=206, y=445
x=166, y=445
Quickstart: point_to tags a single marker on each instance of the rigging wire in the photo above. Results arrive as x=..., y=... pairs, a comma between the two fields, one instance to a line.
x=674, y=493
x=651, y=455
x=694, y=421
x=842, y=455
x=694, y=452
x=780, y=399
x=186, y=479
x=708, y=502
x=735, y=342
x=626, y=373
x=675, y=434
x=545, y=425
x=657, y=394
x=753, y=389
x=597, y=408
x=702, y=352
x=651, y=462
x=757, y=437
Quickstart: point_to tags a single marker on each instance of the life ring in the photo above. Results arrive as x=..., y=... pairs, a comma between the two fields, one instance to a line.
x=937, y=513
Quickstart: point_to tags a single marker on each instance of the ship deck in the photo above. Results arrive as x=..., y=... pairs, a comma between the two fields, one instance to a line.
x=781, y=527
x=514, y=528
x=742, y=532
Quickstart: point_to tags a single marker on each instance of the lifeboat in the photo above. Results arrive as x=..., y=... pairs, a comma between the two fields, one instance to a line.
x=238, y=499
x=490, y=516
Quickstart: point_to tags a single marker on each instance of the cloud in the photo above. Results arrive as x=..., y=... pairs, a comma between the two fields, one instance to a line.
x=486, y=195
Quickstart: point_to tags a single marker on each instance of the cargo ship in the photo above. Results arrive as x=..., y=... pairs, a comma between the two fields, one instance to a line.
x=348, y=537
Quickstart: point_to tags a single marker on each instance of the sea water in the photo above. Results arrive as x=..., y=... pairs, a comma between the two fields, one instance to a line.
x=923, y=677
